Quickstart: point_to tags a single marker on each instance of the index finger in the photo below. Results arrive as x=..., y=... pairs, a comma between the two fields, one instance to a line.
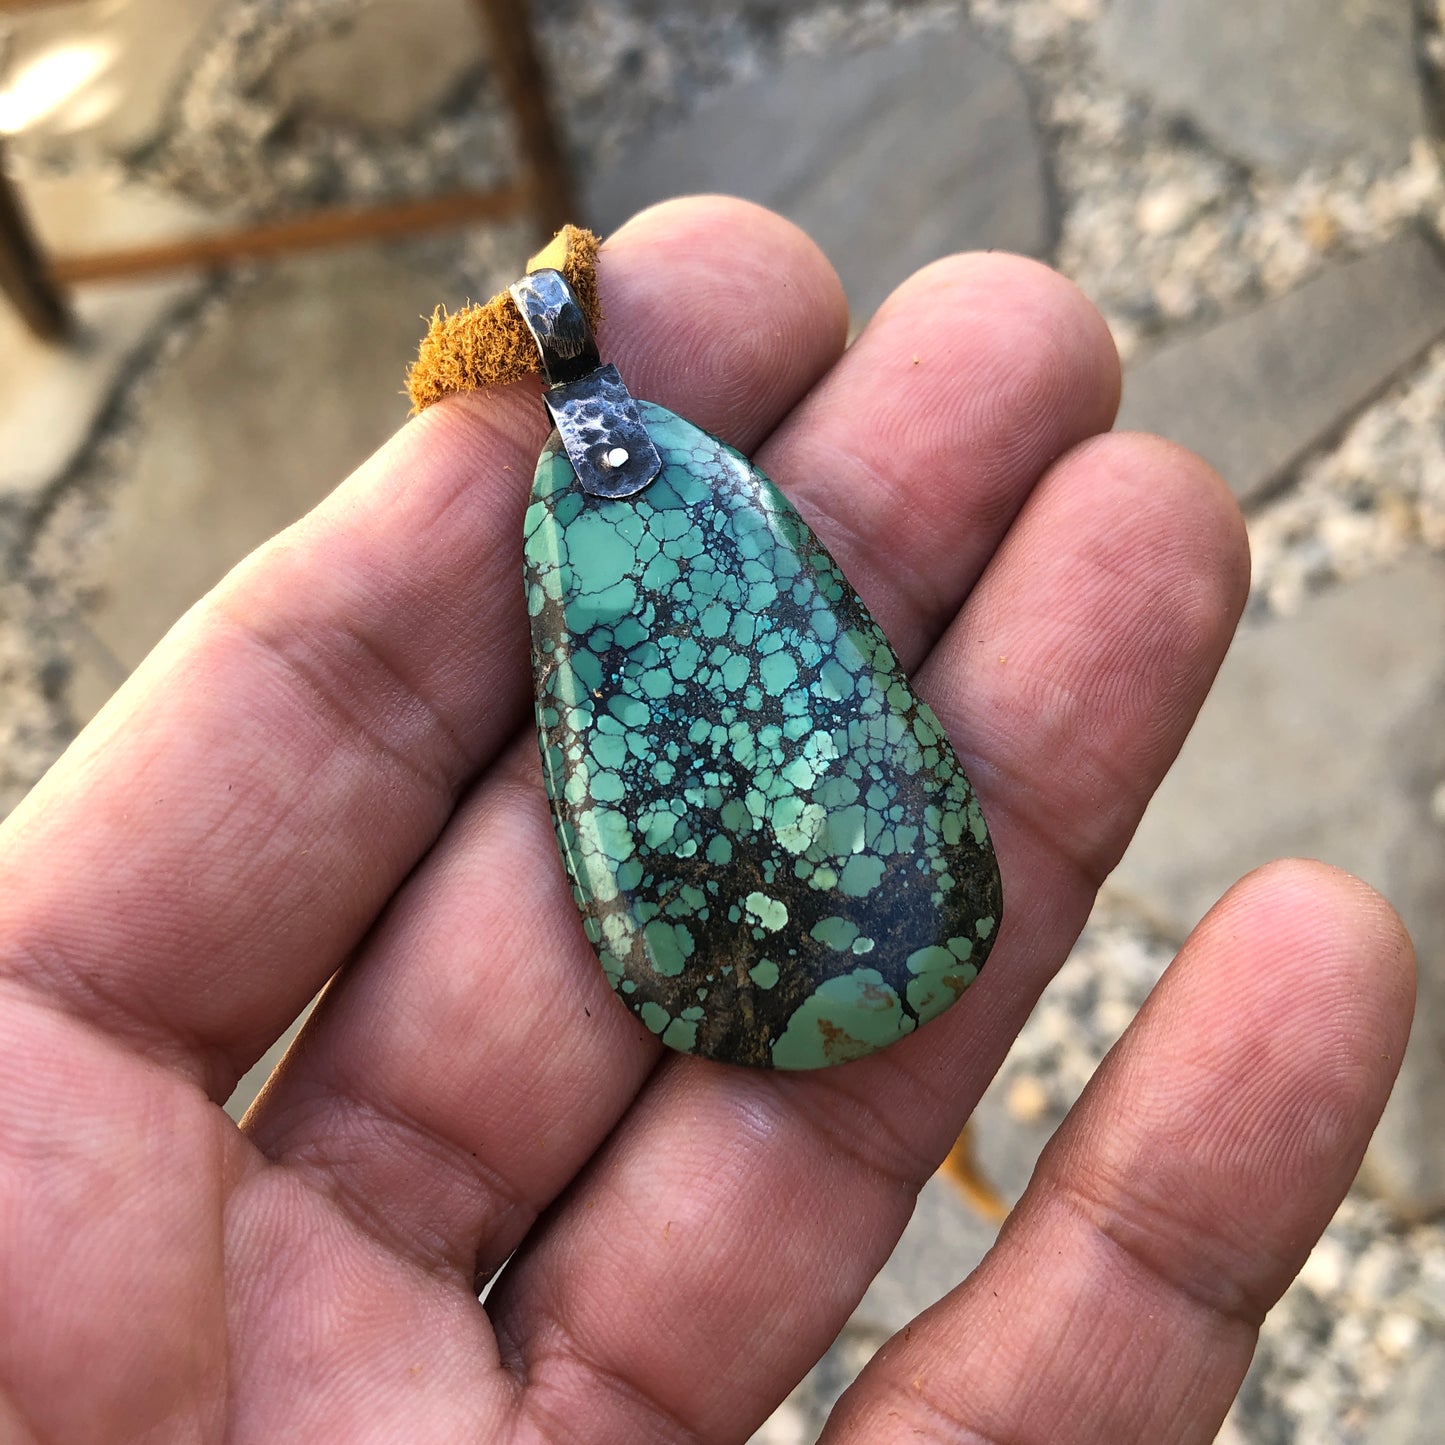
x=214, y=845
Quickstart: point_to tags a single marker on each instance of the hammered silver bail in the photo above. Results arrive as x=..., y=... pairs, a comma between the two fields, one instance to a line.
x=596, y=418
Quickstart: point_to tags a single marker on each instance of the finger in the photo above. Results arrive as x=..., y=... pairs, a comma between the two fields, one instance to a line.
x=1182, y=1194
x=915, y=453
x=774, y=1199
x=210, y=849
x=398, y=1080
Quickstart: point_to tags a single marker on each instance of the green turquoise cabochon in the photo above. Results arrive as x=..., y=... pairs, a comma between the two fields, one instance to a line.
x=774, y=849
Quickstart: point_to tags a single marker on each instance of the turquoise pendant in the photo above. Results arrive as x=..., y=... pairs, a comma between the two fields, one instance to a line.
x=774, y=849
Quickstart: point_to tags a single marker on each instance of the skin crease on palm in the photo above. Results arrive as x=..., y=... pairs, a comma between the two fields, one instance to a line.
x=326, y=769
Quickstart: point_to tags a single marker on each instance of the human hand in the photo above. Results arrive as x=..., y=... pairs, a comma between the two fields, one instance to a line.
x=329, y=765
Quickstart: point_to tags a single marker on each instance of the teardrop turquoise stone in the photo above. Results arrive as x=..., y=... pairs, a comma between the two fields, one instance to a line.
x=774, y=849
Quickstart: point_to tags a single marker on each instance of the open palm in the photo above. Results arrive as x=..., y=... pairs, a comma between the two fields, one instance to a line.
x=327, y=769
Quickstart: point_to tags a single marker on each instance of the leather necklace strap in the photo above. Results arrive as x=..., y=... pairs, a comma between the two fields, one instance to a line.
x=490, y=344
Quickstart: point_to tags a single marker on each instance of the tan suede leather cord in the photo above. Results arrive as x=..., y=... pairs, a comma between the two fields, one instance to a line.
x=489, y=344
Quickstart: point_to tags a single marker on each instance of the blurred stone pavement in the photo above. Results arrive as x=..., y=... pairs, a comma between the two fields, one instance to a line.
x=1261, y=224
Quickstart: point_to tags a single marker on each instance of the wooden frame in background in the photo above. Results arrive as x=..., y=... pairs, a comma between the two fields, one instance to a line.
x=34, y=283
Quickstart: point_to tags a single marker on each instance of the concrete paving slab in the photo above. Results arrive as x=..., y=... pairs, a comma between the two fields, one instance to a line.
x=942, y=1244
x=1283, y=85
x=291, y=384
x=889, y=157
x=98, y=76
x=1302, y=747
x=54, y=394
x=1323, y=739
x=387, y=66
x=1253, y=394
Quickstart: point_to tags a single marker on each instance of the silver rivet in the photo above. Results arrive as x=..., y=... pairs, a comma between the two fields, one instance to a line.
x=617, y=457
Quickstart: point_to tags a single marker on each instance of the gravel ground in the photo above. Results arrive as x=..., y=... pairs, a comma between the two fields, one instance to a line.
x=1164, y=233
x=1376, y=496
